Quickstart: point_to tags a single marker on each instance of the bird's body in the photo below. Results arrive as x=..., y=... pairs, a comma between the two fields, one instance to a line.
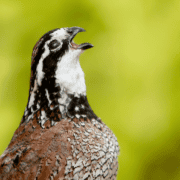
x=59, y=137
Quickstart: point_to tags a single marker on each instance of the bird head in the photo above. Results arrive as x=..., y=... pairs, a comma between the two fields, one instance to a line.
x=55, y=61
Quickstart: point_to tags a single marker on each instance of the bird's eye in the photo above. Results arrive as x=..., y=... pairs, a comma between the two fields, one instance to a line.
x=70, y=31
x=54, y=44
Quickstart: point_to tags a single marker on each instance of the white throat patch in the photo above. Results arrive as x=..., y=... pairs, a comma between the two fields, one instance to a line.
x=69, y=74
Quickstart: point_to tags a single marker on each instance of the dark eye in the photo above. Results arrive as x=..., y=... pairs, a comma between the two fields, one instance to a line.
x=54, y=44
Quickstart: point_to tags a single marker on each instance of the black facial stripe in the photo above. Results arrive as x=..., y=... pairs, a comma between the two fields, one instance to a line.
x=50, y=62
x=45, y=38
x=41, y=50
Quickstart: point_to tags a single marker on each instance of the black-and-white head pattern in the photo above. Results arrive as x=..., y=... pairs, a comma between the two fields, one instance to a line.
x=57, y=87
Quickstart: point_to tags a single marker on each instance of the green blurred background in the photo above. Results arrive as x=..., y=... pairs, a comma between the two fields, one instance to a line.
x=132, y=73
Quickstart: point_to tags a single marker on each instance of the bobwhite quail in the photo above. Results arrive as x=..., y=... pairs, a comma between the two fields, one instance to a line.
x=59, y=137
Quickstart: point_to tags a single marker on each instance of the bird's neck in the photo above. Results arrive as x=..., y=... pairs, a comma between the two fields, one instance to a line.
x=52, y=102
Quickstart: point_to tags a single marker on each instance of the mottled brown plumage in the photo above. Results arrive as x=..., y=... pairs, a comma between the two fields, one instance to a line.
x=60, y=137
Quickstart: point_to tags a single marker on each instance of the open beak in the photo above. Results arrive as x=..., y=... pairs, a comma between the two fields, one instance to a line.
x=72, y=32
